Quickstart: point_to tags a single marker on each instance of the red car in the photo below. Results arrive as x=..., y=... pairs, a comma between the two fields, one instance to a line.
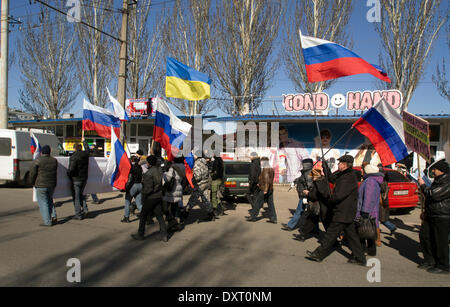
x=403, y=193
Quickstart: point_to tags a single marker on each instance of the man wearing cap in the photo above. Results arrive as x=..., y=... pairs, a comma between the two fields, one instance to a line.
x=436, y=220
x=343, y=202
x=43, y=178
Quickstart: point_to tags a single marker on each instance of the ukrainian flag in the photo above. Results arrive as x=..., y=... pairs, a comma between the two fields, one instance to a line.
x=186, y=83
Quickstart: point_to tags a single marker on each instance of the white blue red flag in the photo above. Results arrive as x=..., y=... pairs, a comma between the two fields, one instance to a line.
x=326, y=60
x=35, y=147
x=383, y=126
x=100, y=120
x=118, y=109
x=169, y=130
x=119, y=165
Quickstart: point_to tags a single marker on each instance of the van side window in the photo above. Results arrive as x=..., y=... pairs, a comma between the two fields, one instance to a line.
x=5, y=146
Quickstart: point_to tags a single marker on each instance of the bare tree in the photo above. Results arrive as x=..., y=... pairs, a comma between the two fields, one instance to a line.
x=323, y=19
x=94, y=50
x=440, y=78
x=146, y=71
x=46, y=62
x=240, y=51
x=408, y=29
x=185, y=38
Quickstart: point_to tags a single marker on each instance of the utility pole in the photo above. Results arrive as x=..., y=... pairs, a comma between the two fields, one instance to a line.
x=4, y=29
x=121, y=90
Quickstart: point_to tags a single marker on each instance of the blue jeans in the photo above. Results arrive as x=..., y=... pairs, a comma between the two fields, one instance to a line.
x=298, y=213
x=46, y=206
x=389, y=225
x=78, y=198
x=94, y=197
x=135, y=192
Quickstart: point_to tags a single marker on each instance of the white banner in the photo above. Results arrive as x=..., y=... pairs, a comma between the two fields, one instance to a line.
x=97, y=182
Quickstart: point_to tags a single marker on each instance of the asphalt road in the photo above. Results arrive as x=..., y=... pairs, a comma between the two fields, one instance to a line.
x=229, y=252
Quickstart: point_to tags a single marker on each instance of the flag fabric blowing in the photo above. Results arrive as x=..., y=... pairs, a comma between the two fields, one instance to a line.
x=118, y=164
x=184, y=82
x=383, y=126
x=169, y=130
x=326, y=60
x=100, y=120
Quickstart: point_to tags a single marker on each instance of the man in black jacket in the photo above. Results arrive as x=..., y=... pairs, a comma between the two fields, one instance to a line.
x=253, y=178
x=343, y=200
x=436, y=219
x=43, y=173
x=78, y=174
x=152, y=199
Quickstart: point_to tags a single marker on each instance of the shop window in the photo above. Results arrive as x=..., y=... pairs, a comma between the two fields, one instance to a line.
x=435, y=133
x=59, y=130
x=145, y=130
x=69, y=131
x=133, y=130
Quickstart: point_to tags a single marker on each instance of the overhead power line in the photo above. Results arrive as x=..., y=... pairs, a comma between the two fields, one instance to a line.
x=79, y=21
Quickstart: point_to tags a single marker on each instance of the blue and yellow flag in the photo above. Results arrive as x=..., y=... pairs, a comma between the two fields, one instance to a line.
x=186, y=83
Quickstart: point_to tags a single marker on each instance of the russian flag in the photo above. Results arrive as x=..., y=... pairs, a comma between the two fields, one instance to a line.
x=326, y=60
x=100, y=120
x=189, y=168
x=169, y=130
x=35, y=147
x=118, y=109
x=118, y=164
x=383, y=126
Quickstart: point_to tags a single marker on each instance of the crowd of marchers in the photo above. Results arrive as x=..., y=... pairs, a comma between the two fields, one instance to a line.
x=349, y=204
x=156, y=185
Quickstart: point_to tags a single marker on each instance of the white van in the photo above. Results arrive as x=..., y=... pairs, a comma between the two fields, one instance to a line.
x=15, y=152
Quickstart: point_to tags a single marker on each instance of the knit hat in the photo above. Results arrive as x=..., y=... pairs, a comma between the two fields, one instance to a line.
x=307, y=164
x=152, y=160
x=441, y=165
x=46, y=150
x=371, y=169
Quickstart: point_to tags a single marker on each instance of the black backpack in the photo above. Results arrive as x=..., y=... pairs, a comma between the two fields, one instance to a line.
x=184, y=182
x=169, y=185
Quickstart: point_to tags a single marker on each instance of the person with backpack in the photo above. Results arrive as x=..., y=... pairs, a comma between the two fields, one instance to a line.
x=369, y=193
x=384, y=208
x=201, y=186
x=173, y=191
x=217, y=179
x=152, y=200
x=133, y=188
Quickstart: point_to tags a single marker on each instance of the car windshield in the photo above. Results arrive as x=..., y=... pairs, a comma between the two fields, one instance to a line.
x=393, y=176
x=237, y=168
